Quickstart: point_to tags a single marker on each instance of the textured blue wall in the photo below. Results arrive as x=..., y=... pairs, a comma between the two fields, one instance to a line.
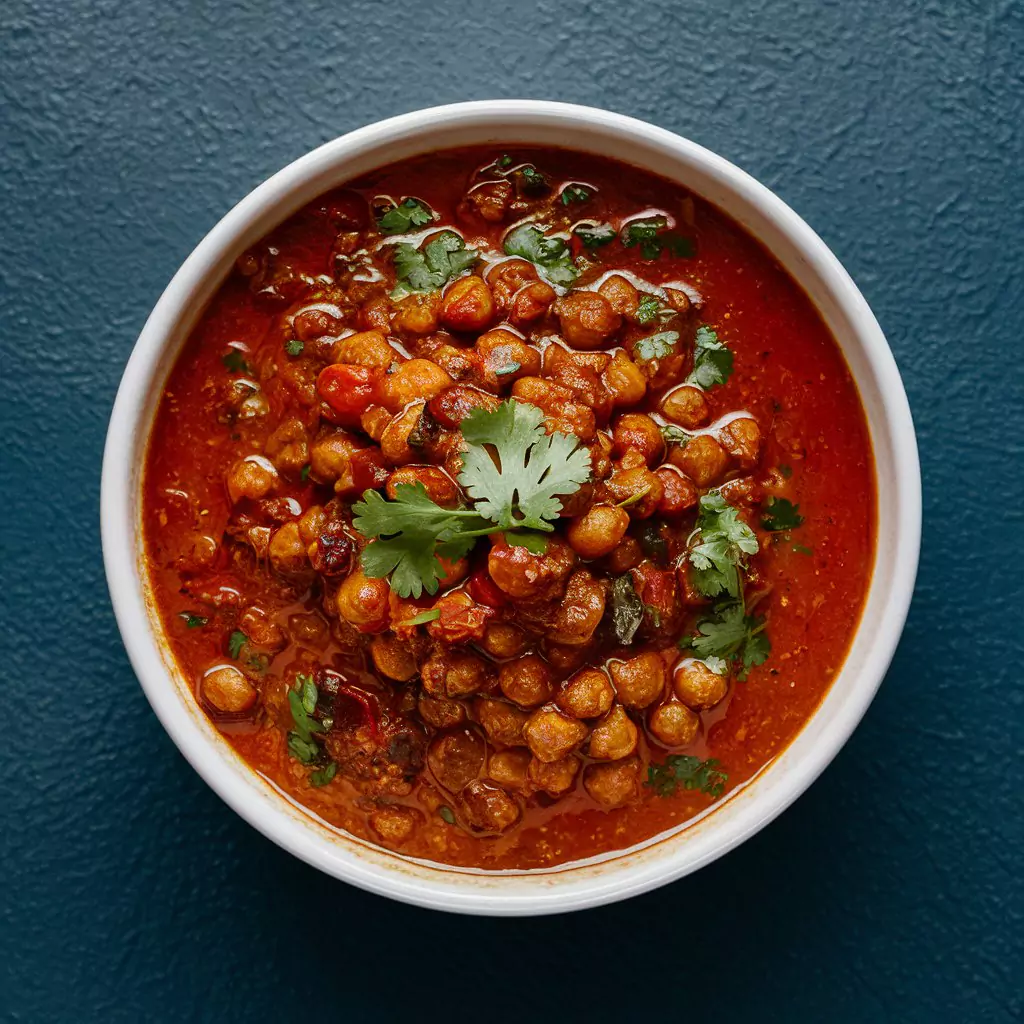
x=891, y=891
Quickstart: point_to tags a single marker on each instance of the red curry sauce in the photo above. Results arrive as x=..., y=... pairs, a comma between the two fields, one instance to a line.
x=218, y=573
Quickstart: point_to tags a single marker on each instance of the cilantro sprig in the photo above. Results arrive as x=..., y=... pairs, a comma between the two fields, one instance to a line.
x=594, y=236
x=724, y=542
x=712, y=360
x=649, y=308
x=408, y=214
x=515, y=475
x=551, y=256
x=781, y=514
x=682, y=770
x=427, y=269
x=303, y=742
x=730, y=635
x=656, y=346
x=650, y=234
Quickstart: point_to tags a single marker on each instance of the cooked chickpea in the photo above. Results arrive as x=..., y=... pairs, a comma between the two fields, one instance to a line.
x=507, y=277
x=261, y=629
x=530, y=303
x=621, y=294
x=253, y=477
x=562, y=413
x=580, y=613
x=374, y=419
x=697, y=686
x=613, y=785
x=392, y=658
x=312, y=523
x=288, y=446
x=638, y=432
x=639, y=486
x=416, y=380
x=598, y=531
x=489, y=808
x=503, y=722
x=527, y=681
x=488, y=201
x=454, y=674
x=503, y=640
x=565, y=657
x=366, y=348
x=505, y=357
x=456, y=758
x=626, y=556
x=678, y=492
x=330, y=457
x=287, y=551
x=417, y=314
x=614, y=737
x=587, y=694
x=363, y=602
x=395, y=824
x=587, y=319
x=227, y=690
x=522, y=574
x=741, y=438
x=624, y=381
x=467, y=305
x=394, y=442
x=554, y=777
x=440, y=712
x=640, y=680
x=509, y=768
x=440, y=487
x=673, y=724
x=552, y=735
x=307, y=628
x=686, y=405
x=702, y=459
x=311, y=324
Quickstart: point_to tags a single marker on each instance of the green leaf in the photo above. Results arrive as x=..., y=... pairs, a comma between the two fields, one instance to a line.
x=193, y=621
x=236, y=642
x=418, y=620
x=650, y=235
x=408, y=214
x=786, y=471
x=428, y=269
x=781, y=514
x=505, y=370
x=323, y=775
x=800, y=549
x=447, y=814
x=304, y=475
x=594, y=236
x=712, y=360
x=656, y=346
x=676, y=435
x=574, y=194
x=503, y=161
x=689, y=773
x=627, y=609
x=294, y=347
x=725, y=540
x=235, y=361
x=551, y=256
x=650, y=308
x=732, y=635
x=534, y=183
x=533, y=470
x=535, y=543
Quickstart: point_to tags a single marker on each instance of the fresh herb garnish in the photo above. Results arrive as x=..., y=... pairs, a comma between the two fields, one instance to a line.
x=656, y=346
x=574, y=194
x=418, y=620
x=650, y=308
x=688, y=772
x=236, y=642
x=505, y=370
x=447, y=814
x=426, y=270
x=649, y=233
x=235, y=361
x=503, y=161
x=323, y=775
x=193, y=621
x=725, y=541
x=593, y=236
x=535, y=543
x=304, y=474
x=302, y=744
x=551, y=256
x=294, y=347
x=258, y=662
x=781, y=514
x=627, y=609
x=534, y=183
x=408, y=214
x=801, y=549
x=731, y=634
x=520, y=492
x=676, y=435
x=786, y=471
x=712, y=360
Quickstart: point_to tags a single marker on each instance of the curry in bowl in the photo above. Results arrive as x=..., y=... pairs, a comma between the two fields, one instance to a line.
x=509, y=508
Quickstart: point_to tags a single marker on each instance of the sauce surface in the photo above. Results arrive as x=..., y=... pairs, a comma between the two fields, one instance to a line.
x=256, y=458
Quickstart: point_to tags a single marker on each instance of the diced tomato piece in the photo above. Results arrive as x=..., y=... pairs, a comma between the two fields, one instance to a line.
x=369, y=470
x=348, y=390
x=484, y=590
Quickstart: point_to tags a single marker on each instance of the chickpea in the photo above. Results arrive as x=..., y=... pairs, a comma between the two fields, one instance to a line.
x=488, y=201
x=288, y=446
x=489, y=808
x=311, y=324
x=628, y=555
x=417, y=314
x=565, y=658
x=601, y=457
x=580, y=612
x=418, y=379
x=467, y=305
x=554, y=777
x=640, y=680
x=522, y=574
x=697, y=686
x=504, y=723
x=287, y=552
x=742, y=440
x=624, y=381
x=395, y=824
x=530, y=303
x=440, y=712
x=702, y=459
x=454, y=404
x=527, y=681
x=638, y=432
x=639, y=484
x=462, y=619
x=562, y=413
x=673, y=724
x=597, y=532
x=678, y=493
x=375, y=314
x=615, y=784
x=505, y=357
x=392, y=658
x=686, y=405
x=587, y=694
x=440, y=487
x=506, y=278
x=552, y=735
x=261, y=629
x=456, y=758
x=395, y=441
x=307, y=628
x=363, y=602
x=331, y=455
x=503, y=640
x=312, y=523
x=253, y=477
x=366, y=348
x=614, y=737
x=509, y=768
x=621, y=294
x=227, y=690
x=374, y=419
x=454, y=674
x=587, y=319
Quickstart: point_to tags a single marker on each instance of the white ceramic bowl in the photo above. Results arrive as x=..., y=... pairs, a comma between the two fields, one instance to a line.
x=675, y=853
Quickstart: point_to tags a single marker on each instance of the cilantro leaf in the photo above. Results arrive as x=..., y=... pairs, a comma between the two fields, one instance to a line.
x=535, y=543
x=418, y=620
x=323, y=775
x=304, y=475
x=503, y=161
x=712, y=360
x=650, y=308
x=688, y=772
x=650, y=235
x=627, y=608
x=407, y=214
x=781, y=514
x=447, y=814
x=551, y=256
x=801, y=549
x=575, y=194
x=731, y=635
x=675, y=435
x=294, y=347
x=534, y=467
x=235, y=361
x=428, y=269
x=302, y=743
x=193, y=621
x=593, y=236
x=724, y=541
x=533, y=182
x=656, y=346
x=236, y=642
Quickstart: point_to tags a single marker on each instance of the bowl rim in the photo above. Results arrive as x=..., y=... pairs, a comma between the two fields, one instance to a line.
x=345, y=857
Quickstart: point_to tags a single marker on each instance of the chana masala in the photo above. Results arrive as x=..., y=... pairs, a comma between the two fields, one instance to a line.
x=505, y=509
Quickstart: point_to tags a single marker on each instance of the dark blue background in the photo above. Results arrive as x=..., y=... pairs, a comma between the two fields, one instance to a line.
x=892, y=891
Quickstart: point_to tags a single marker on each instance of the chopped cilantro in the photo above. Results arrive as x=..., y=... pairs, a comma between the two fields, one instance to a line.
x=781, y=514
x=302, y=742
x=304, y=475
x=551, y=256
x=724, y=541
x=786, y=471
x=428, y=269
x=235, y=361
x=800, y=549
x=732, y=635
x=236, y=642
x=650, y=308
x=534, y=183
x=650, y=235
x=503, y=161
x=676, y=435
x=447, y=814
x=408, y=214
x=323, y=775
x=193, y=621
x=506, y=370
x=593, y=236
x=712, y=360
x=535, y=543
x=294, y=347
x=574, y=194
x=656, y=346
x=687, y=772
